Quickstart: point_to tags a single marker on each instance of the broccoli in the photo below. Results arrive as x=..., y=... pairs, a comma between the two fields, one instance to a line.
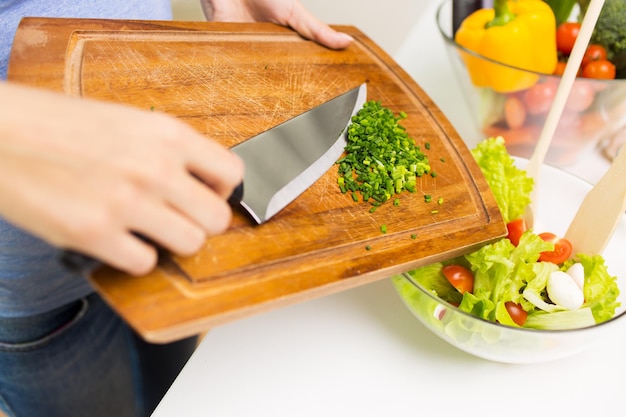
x=610, y=30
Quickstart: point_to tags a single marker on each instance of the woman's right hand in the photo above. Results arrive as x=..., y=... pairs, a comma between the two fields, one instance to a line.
x=87, y=175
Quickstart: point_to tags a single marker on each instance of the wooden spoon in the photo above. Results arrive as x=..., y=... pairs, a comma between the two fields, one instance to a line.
x=600, y=212
x=556, y=110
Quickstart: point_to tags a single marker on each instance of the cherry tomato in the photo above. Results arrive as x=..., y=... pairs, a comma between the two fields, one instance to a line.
x=594, y=52
x=516, y=229
x=539, y=97
x=566, y=34
x=517, y=313
x=460, y=277
x=562, y=249
x=514, y=112
x=581, y=96
x=601, y=69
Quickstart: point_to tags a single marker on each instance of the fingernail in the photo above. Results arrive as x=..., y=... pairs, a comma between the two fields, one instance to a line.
x=346, y=37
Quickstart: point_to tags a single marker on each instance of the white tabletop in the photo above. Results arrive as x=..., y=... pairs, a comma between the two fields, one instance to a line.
x=362, y=353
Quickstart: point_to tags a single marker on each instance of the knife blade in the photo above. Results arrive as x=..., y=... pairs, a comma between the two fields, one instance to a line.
x=280, y=163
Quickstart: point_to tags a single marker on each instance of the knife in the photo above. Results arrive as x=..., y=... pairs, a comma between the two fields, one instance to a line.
x=280, y=163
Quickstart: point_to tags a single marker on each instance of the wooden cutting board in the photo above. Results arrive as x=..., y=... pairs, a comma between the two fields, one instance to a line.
x=231, y=81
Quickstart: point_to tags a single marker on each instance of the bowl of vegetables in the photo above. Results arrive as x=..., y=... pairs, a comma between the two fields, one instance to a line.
x=529, y=297
x=509, y=77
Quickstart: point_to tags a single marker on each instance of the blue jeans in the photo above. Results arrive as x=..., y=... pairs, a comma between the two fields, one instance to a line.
x=83, y=360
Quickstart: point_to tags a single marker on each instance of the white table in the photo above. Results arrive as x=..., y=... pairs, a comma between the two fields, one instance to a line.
x=361, y=352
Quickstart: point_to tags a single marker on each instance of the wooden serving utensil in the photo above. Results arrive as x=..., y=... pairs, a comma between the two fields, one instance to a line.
x=600, y=212
x=556, y=110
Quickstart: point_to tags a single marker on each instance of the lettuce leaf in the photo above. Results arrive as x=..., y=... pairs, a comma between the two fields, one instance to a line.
x=510, y=185
x=432, y=277
x=601, y=292
x=560, y=320
x=501, y=273
x=600, y=289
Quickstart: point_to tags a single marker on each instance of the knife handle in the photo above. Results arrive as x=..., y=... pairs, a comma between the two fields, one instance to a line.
x=237, y=195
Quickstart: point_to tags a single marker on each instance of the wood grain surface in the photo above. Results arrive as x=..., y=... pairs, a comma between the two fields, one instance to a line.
x=232, y=81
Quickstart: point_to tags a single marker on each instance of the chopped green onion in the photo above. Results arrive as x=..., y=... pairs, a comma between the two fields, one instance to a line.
x=381, y=160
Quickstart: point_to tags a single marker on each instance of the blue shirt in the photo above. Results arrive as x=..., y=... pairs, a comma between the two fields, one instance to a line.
x=31, y=279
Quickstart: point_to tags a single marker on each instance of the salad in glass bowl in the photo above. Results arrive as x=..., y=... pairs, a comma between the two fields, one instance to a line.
x=529, y=297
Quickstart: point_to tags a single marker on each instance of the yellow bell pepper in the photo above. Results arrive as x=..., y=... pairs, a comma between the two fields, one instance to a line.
x=517, y=33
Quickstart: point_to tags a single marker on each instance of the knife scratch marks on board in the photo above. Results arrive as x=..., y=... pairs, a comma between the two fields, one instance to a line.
x=222, y=90
x=306, y=81
x=199, y=93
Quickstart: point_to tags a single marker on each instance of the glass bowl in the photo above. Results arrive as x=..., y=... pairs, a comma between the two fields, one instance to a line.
x=595, y=110
x=559, y=196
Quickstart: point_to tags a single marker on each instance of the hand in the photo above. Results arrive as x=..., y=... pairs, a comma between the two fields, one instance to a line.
x=290, y=13
x=85, y=175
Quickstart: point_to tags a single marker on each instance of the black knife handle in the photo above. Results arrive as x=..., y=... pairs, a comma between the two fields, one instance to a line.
x=236, y=196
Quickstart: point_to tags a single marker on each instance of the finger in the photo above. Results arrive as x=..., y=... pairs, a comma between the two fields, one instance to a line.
x=126, y=252
x=200, y=202
x=216, y=166
x=166, y=226
x=305, y=23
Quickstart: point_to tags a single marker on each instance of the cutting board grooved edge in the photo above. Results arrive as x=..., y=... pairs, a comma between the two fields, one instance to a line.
x=72, y=80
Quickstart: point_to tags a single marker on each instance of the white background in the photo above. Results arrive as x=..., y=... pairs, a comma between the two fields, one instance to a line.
x=361, y=352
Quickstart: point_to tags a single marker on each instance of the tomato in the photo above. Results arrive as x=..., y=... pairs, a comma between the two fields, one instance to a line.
x=594, y=52
x=601, y=69
x=566, y=34
x=516, y=229
x=581, y=96
x=539, y=97
x=460, y=277
x=562, y=249
x=517, y=313
x=514, y=112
